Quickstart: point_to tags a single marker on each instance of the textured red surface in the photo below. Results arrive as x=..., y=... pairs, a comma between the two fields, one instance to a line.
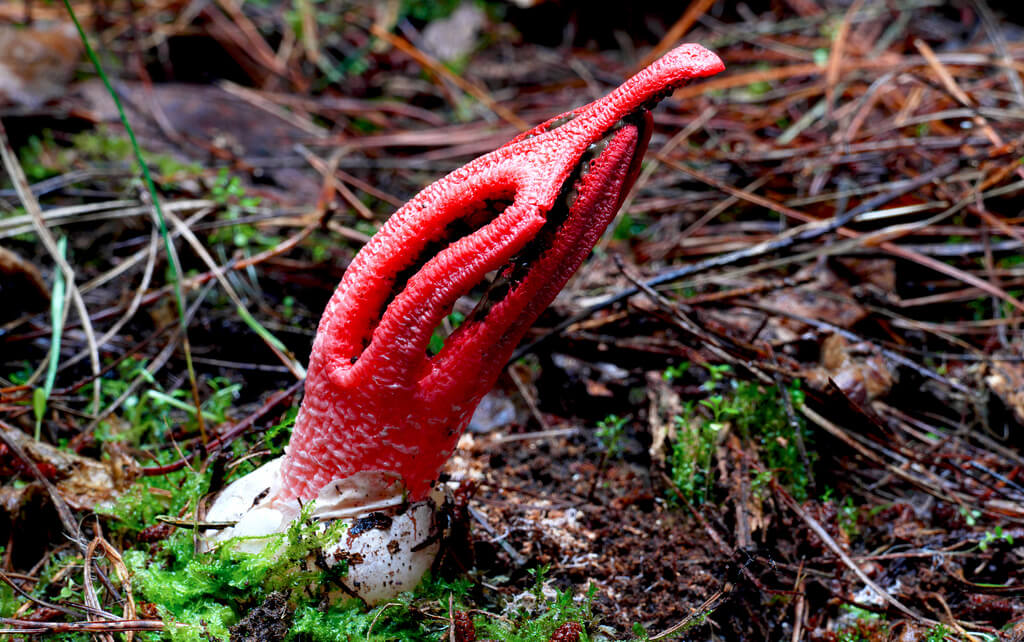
x=375, y=399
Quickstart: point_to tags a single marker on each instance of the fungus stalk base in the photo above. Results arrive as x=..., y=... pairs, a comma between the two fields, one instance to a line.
x=384, y=540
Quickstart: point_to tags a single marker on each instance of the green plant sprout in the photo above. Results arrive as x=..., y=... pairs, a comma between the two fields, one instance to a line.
x=993, y=537
x=847, y=516
x=867, y=625
x=611, y=431
x=675, y=372
x=57, y=312
x=716, y=375
x=970, y=515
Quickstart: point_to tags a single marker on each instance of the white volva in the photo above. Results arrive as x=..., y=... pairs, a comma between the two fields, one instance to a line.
x=382, y=527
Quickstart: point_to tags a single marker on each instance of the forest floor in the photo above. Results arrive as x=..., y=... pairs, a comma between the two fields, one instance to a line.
x=782, y=400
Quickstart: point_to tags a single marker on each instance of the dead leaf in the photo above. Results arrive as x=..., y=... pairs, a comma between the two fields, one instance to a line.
x=1007, y=381
x=21, y=282
x=827, y=298
x=37, y=62
x=83, y=482
x=665, y=405
x=880, y=273
x=858, y=369
x=456, y=36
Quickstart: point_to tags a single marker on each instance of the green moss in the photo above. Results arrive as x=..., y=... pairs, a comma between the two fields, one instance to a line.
x=758, y=414
x=428, y=11
x=277, y=436
x=691, y=454
x=868, y=626
x=762, y=418
x=9, y=602
x=848, y=515
x=146, y=414
x=676, y=371
x=629, y=226
x=44, y=155
x=169, y=494
x=237, y=203
x=535, y=621
x=399, y=619
x=36, y=157
x=101, y=145
x=201, y=595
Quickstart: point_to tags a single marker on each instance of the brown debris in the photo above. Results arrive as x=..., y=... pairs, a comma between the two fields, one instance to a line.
x=15, y=269
x=825, y=298
x=463, y=629
x=83, y=482
x=665, y=405
x=1006, y=380
x=268, y=621
x=568, y=632
x=36, y=63
x=859, y=370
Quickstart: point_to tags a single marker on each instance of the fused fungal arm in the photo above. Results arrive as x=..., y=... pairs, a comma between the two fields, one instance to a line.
x=529, y=211
x=381, y=415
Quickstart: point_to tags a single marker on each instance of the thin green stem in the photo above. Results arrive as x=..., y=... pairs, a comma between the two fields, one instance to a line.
x=172, y=256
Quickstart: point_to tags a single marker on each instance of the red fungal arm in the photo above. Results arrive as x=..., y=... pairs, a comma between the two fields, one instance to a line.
x=531, y=210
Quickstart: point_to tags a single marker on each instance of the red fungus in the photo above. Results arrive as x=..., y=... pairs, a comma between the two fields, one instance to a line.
x=381, y=416
x=531, y=211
